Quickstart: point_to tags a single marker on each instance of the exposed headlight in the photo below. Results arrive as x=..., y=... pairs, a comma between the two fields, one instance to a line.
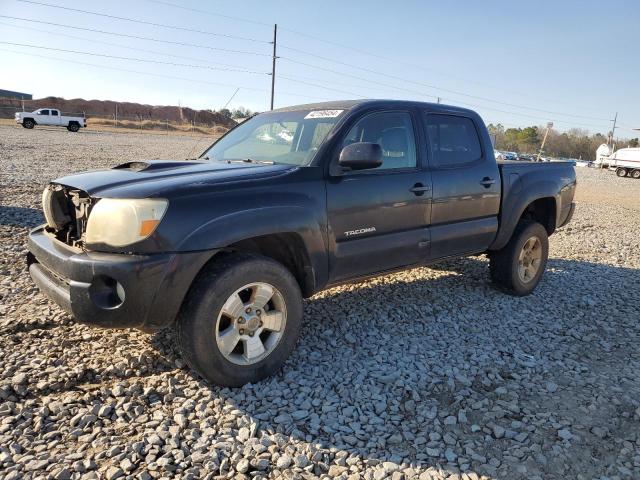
x=119, y=222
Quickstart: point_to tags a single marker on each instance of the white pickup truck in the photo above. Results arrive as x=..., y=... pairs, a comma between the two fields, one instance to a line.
x=50, y=116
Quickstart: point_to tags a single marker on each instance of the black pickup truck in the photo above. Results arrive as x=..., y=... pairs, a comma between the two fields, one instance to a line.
x=286, y=204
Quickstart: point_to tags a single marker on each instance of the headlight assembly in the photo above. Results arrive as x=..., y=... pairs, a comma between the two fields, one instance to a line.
x=119, y=222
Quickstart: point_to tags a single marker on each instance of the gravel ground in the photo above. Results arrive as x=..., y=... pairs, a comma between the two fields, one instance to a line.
x=429, y=373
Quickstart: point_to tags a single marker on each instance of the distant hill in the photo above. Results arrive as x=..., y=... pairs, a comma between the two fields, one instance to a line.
x=126, y=110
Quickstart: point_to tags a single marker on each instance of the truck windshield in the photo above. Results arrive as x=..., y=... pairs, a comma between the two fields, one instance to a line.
x=280, y=137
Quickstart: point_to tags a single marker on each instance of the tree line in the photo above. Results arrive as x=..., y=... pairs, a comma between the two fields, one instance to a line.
x=240, y=112
x=574, y=143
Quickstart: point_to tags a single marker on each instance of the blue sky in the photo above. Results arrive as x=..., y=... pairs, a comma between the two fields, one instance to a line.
x=519, y=63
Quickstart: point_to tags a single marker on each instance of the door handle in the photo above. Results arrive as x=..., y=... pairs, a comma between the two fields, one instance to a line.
x=419, y=189
x=487, y=182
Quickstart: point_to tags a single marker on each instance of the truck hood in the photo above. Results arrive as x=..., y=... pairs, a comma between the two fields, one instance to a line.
x=160, y=178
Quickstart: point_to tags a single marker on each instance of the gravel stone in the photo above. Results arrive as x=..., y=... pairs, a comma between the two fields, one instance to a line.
x=450, y=420
x=481, y=386
x=284, y=462
x=113, y=472
x=242, y=466
x=565, y=434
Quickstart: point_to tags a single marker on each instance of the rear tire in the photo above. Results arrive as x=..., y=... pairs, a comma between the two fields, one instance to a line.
x=73, y=127
x=636, y=173
x=28, y=123
x=621, y=172
x=518, y=267
x=240, y=320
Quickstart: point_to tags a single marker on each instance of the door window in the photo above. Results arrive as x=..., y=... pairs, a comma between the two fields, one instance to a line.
x=393, y=131
x=54, y=113
x=44, y=112
x=453, y=140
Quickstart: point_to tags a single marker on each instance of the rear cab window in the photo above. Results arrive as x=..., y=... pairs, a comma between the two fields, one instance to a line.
x=453, y=140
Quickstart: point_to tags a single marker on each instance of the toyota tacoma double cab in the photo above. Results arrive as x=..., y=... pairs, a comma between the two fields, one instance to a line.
x=50, y=117
x=293, y=201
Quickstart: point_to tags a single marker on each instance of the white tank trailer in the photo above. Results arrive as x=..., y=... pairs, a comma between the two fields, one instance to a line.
x=625, y=162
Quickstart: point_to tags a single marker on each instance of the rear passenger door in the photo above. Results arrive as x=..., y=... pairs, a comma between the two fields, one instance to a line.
x=55, y=117
x=466, y=186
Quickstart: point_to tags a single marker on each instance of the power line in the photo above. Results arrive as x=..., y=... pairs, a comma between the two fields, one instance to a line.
x=403, y=62
x=364, y=79
x=525, y=115
x=298, y=80
x=155, y=52
x=159, y=75
x=213, y=14
x=117, y=57
x=455, y=92
x=538, y=117
x=346, y=85
x=145, y=22
x=303, y=82
x=138, y=37
x=375, y=55
x=304, y=52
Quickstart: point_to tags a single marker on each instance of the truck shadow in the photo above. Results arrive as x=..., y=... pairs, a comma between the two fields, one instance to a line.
x=380, y=365
x=20, y=216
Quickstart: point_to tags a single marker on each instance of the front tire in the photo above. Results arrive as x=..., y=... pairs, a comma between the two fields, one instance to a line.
x=518, y=267
x=240, y=320
x=621, y=172
x=28, y=123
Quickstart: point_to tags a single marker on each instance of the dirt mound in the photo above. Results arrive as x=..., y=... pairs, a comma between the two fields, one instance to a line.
x=126, y=110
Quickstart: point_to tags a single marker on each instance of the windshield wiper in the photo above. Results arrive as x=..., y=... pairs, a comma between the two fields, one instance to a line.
x=251, y=160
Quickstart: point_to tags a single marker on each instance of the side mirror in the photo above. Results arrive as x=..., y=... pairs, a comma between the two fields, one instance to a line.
x=360, y=156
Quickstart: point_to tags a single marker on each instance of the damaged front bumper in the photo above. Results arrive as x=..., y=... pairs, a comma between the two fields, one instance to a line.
x=113, y=290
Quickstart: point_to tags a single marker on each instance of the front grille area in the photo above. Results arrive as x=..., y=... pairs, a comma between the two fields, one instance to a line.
x=66, y=210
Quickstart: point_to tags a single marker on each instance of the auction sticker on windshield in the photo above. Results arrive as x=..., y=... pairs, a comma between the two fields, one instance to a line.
x=324, y=114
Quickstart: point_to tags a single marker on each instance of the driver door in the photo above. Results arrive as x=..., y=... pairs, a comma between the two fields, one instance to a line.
x=379, y=218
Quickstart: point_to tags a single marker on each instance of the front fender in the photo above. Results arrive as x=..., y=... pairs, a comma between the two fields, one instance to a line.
x=233, y=227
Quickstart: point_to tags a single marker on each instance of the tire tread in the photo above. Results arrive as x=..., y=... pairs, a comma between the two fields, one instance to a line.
x=501, y=261
x=189, y=324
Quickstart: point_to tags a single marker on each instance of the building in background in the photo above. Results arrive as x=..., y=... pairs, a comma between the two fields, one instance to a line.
x=15, y=95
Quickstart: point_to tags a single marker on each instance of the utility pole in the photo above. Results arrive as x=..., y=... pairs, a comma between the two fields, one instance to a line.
x=116, y=116
x=549, y=127
x=273, y=64
x=613, y=132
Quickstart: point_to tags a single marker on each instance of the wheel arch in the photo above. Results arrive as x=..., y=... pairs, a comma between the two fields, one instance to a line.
x=538, y=204
x=544, y=211
x=287, y=248
x=287, y=234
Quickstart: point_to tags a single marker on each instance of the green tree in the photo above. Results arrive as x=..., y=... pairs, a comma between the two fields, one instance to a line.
x=528, y=140
x=633, y=143
x=496, y=132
